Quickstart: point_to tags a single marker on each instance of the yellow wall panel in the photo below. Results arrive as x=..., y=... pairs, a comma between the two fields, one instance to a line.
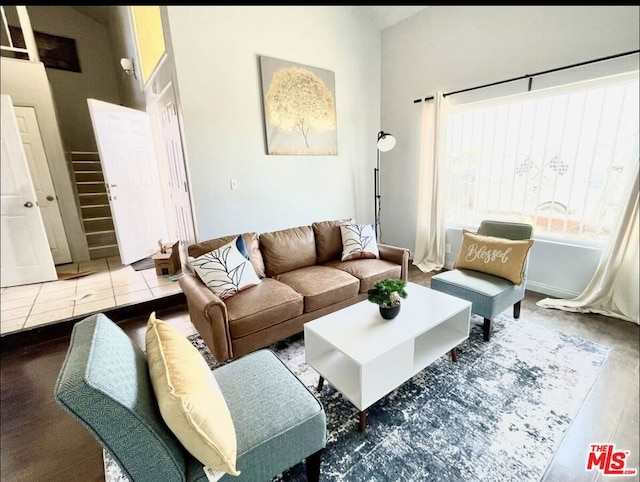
x=148, y=29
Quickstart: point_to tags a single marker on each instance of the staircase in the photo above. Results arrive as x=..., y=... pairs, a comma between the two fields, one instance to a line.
x=94, y=205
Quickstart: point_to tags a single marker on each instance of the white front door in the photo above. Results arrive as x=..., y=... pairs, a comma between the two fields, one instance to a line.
x=26, y=256
x=126, y=148
x=43, y=184
x=176, y=170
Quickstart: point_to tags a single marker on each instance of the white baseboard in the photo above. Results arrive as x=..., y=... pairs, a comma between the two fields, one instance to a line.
x=543, y=288
x=548, y=290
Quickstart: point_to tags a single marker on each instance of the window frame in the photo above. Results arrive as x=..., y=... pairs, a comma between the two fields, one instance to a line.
x=569, y=88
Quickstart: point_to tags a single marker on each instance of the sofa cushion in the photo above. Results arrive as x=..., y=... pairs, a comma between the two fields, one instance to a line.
x=288, y=249
x=497, y=256
x=368, y=271
x=189, y=397
x=104, y=383
x=264, y=305
x=251, y=244
x=358, y=241
x=321, y=285
x=328, y=239
x=227, y=269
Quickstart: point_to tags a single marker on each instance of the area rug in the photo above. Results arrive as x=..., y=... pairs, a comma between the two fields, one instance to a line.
x=497, y=414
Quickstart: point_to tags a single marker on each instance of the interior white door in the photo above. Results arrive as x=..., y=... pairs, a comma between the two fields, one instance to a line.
x=176, y=170
x=125, y=144
x=26, y=256
x=43, y=184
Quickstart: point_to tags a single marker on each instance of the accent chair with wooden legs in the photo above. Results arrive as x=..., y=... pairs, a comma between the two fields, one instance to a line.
x=112, y=387
x=491, y=270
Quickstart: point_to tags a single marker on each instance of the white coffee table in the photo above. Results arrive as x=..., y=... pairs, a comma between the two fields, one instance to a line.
x=365, y=356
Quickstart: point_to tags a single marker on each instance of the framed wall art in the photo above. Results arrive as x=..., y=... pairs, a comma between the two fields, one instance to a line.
x=299, y=109
x=55, y=52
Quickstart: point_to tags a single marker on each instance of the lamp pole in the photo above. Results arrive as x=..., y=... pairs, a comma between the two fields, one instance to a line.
x=384, y=143
x=376, y=191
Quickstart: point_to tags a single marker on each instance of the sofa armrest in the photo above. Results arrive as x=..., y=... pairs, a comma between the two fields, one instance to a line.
x=396, y=255
x=208, y=314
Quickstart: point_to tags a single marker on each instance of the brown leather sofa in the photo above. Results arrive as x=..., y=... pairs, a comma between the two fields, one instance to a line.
x=302, y=278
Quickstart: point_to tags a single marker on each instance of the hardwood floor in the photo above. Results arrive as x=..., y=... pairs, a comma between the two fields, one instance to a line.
x=41, y=442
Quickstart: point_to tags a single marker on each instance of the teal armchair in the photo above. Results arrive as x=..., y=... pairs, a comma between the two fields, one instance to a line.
x=104, y=383
x=490, y=295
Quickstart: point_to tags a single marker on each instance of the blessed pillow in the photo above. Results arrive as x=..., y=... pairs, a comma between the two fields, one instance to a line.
x=227, y=269
x=358, y=241
x=501, y=257
x=189, y=398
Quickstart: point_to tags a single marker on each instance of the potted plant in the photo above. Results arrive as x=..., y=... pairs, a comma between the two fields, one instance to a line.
x=388, y=294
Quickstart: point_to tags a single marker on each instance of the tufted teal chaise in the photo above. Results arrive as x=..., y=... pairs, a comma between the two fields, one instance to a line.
x=104, y=383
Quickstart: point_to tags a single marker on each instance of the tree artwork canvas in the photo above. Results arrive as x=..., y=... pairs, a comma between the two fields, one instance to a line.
x=299, y=109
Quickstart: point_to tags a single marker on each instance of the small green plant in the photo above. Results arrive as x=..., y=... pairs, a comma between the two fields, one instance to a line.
x=387, y=292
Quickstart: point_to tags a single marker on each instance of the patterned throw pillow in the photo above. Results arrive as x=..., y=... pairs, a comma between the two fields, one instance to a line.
x=358, y=241
x=226, y=270
x=501, y=257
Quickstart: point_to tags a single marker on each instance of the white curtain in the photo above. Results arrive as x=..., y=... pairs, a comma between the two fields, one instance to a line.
x=613, y=290
x=429, y=251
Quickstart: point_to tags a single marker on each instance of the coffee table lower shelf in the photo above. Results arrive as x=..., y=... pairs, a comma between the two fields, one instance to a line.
x=363, y=414
x=367, y=380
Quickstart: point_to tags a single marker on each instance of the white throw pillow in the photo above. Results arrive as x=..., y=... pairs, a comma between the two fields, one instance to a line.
x=225, y=270
x=358, y=241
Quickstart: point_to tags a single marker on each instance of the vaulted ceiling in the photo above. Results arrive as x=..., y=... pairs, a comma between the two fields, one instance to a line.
x=383, y=15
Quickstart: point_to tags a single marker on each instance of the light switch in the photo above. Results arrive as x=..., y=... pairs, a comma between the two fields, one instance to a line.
x=234, y=184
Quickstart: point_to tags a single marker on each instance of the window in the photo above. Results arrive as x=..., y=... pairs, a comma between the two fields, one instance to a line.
x=561, y=159
x=149, y=34
x=12, y=41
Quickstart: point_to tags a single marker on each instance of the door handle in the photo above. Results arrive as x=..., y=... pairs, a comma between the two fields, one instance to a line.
x=50, y=198
x=28, y=204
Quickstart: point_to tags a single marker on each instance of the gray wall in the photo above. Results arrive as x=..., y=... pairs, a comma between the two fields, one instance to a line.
x=27, y=84
x=446, y=48
x=71, y=89
x=216, y=51
x=60, y=99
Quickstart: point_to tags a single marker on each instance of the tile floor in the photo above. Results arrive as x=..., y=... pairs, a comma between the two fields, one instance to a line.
x=111, y=285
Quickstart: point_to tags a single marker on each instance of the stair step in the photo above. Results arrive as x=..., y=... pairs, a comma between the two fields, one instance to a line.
x=99, y=252
x=84, y=156
x=91, y=187
x=101, y=238
x=95, y=225
x=86, y=166
x=89, y=176
x=96, y=211
x=93, y=199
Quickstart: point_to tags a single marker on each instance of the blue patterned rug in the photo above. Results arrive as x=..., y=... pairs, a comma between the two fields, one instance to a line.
x=497, y=414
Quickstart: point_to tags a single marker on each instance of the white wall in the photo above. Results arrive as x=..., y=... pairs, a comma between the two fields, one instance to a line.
x=71, y=89
x=26, y=83
x=216, y=50
x=447, y=48
x=123, y=44
x=555, y=269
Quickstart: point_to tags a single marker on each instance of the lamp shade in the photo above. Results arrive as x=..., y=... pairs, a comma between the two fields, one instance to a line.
x=386, y=141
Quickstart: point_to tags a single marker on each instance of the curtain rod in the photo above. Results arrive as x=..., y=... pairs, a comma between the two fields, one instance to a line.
x=531, y=76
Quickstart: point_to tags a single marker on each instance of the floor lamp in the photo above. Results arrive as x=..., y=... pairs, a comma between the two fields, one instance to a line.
x=384, y=143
